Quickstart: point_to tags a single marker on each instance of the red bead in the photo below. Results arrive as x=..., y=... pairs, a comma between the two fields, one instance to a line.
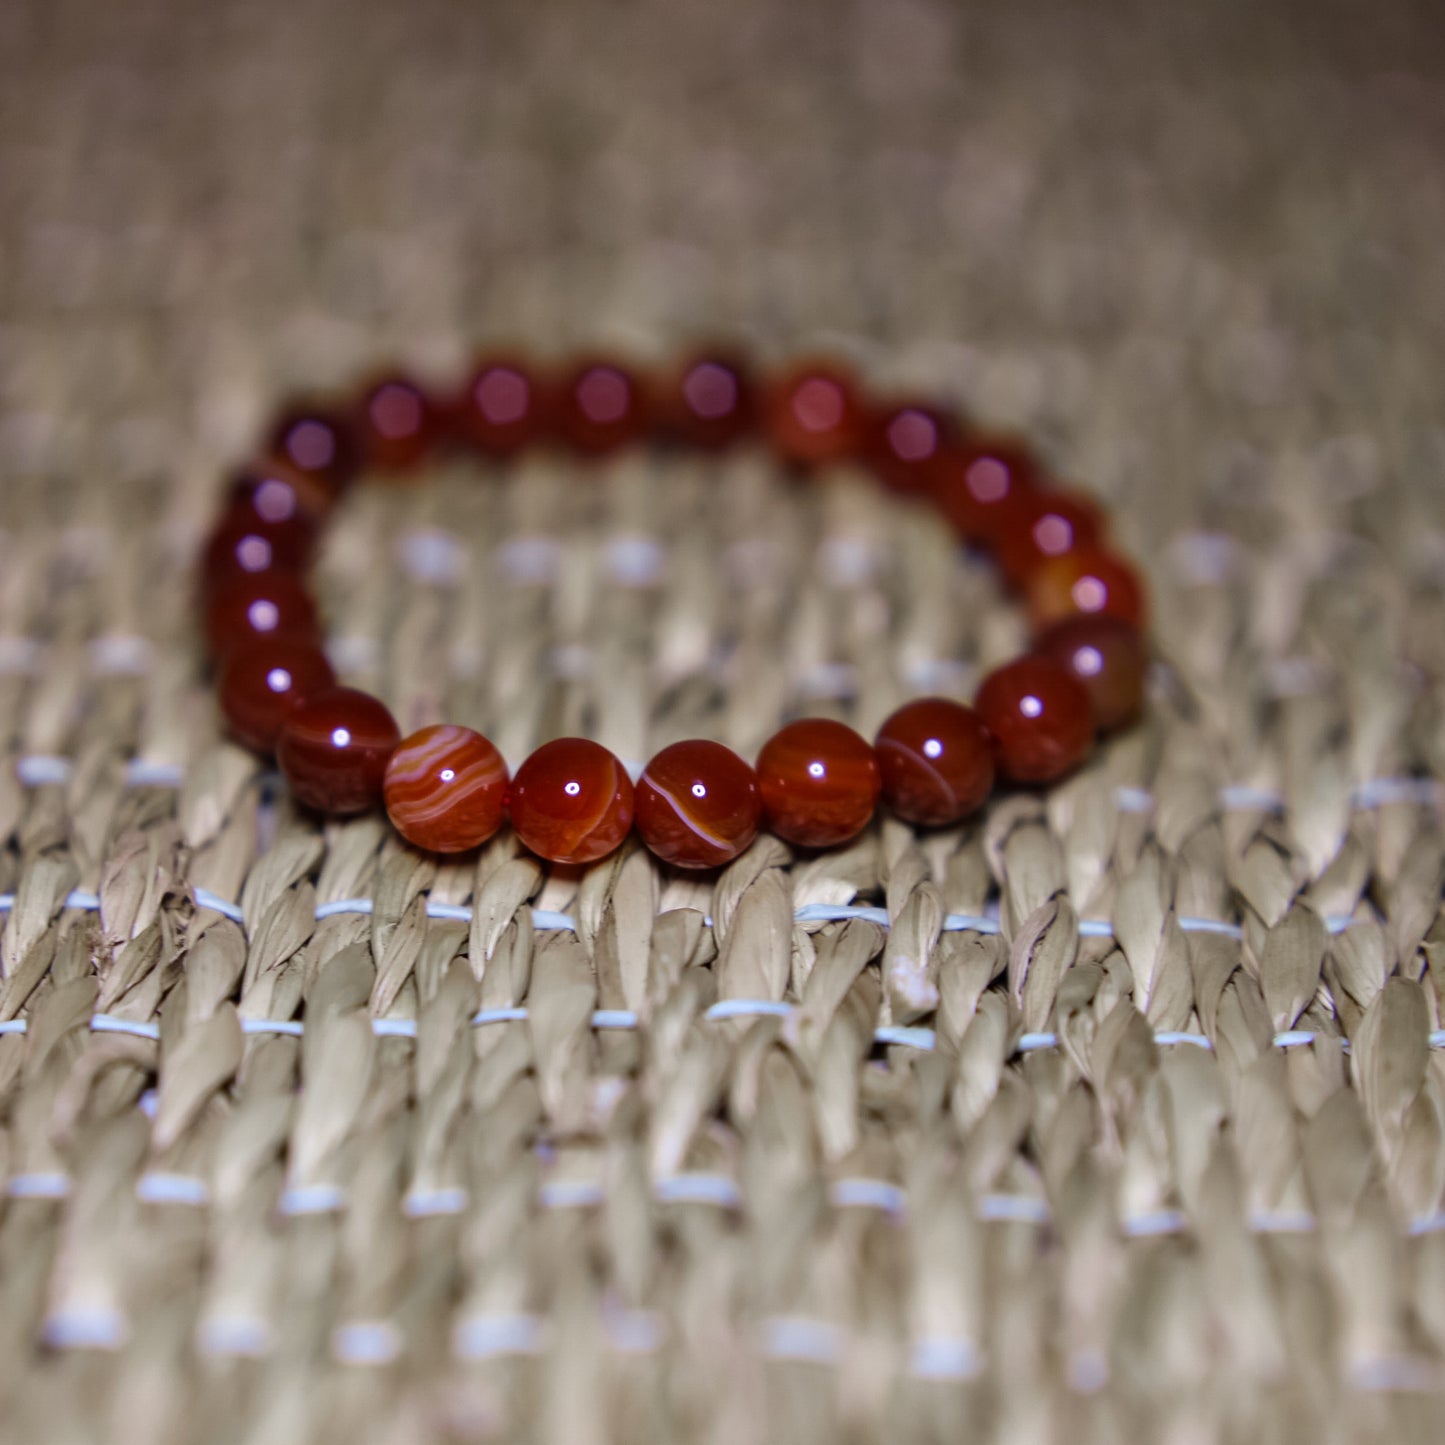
x=246, y=545
x=1088, y=580
x=1039, y=526
x=319, y=445
x=819, y=782
x=600, y=407
x=904, y=442
x=813, y=415
x=503, y=408
x=698, y=804
x=446, y=789
x=1040, y=718
x=276, y=492
x=936, y=761
x=571, y=801
x=263, y=680
x=269, y=604
x=396, y=425
x=1108, y=657
x=707, y=402
x=975, y=481
x=333, y=749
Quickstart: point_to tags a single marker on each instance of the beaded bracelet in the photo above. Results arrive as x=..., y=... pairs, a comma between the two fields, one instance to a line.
x=696, y=804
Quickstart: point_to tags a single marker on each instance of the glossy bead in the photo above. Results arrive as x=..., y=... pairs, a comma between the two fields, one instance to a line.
x=976, y=481
x=333, y=749
x=246, y=545
x=707, y=402
x=263, y=680
x=600, y=407
x=269, y=604
x=273, y=491
x=319, y=445
x=698, y=804
x=571, y=801
x=1041, y=525
x=446, y=788
x=396, y=424
x=813, y=415
x=502, y=408
x=819, y=781
x=1108, y=657
x=1040, y=718
x=1088, y=581
x=935, y=758
x=904, y=443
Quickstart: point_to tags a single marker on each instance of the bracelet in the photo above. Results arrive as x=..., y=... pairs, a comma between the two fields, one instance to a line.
x=696, y=804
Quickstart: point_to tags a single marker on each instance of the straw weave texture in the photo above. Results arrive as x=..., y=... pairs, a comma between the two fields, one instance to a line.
x=935, y=1176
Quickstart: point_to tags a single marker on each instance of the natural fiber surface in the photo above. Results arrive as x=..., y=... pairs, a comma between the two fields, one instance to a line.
x=284, y=1188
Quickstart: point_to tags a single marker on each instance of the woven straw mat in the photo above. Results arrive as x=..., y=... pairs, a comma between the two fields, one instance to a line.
x=1115, y=1113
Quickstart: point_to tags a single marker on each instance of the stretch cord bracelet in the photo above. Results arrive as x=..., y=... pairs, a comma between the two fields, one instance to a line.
x=696, y=804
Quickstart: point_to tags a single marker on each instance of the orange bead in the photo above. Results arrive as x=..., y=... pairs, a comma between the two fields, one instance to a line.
x=333, y=749
x=396, y=425
x=819, y=782
x=600, y=407
x=269, y=604
x=446, y=789
x=813, y=415
x=1038, y=526
x=1040, y=718
x=263, y=680
x=1108, y=657
x=571, y=801
x=502, y=408
x=319, y=445
x=707, y=402
x=976, y=481
x=698, y=804
x=1088, y=581
x=935, y=758
x=905, y=439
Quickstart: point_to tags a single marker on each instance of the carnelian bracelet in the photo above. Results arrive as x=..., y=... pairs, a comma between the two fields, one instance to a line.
x=696, y=804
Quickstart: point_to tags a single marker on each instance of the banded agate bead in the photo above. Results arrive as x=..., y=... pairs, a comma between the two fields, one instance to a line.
x=1040, y=719
x=571, y=801
x=935, y=758
x=698, y=804
x=263, y=680
x=1108, y=657
x=445, y=788
x=819, y=782
x=333, y=749
x=269, y=604
x=976, y=482
x=1039, y=526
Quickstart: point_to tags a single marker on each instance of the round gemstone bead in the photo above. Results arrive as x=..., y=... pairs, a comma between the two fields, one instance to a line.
x=396, y=424
x=1108, y=657
x=446, y=788
x=819, y=782
x=268, y=604
x=1040, y=718
x=976, y=481
x=813, y=415
x=1088, y=581
x=276, y=492
x=698, y=804
x=333, y=749
x=571, y=801
x=503, y=408
x=1039, y=526
x=935, y=758
x=263, y=680
x=904, y=443
x=600, y=408
x=244, y=544
x=319, y=445
x=707, y=402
